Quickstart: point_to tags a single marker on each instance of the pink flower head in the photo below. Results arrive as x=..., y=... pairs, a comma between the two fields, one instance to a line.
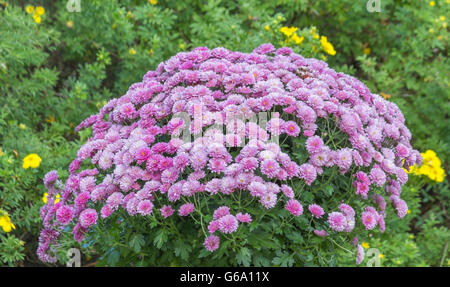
x=228, y=224
x=186, y=209
x=287, y=191
x=268, y=200
x=221, y=211
x=314, y=144
x=369, y=219
x=294, y=207
x=88, y=217
x=320, y=233
x=337, y=221
x=291, y=128
x=145, y=207
x=308, y=173
x=270, y=167
x=359, y=254
x=316, y=210
x=213, y=226
x=64, y=214
x=211, y=243
x=244, y=217
x=166, y=211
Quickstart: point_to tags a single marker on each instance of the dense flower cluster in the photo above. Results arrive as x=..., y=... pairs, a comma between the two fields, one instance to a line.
x=137, y=153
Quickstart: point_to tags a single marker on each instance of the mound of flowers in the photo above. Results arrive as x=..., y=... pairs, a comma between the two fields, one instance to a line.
x=256, y=129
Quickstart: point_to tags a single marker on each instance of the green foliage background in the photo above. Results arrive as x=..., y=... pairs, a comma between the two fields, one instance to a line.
x=56, y=73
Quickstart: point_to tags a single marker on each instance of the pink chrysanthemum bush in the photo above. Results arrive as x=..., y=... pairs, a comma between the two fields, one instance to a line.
x=230, y=158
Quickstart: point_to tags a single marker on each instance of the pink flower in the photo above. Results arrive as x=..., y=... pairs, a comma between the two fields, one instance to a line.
x=64, y=214
x=186, y=209
x=359, y=254
x=221, y=211
x=88, y=217
x=369, y=219
x=320, y=233
x=291, y=128
x=337, y=221
x=268, y=200
x=244, y=217
x=166, y=211
x=314, y=144
x=228, y=224
x=270, y=167
x=316, y=210
x=287, y=191
x=211, y=243
x=294, y=207
x=213, y=226
x=142, y=154
x=308, y=173
x=145, y=207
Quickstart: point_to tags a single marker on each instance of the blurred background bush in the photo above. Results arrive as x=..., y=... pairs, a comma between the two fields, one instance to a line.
x=57, y=67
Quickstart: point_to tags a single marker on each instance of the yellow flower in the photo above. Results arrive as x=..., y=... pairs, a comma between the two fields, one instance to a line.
x=37, y=18
x=6, y=224
x=298, y=40
x=267, y=27
x=57, y=198
x=365, y=245
x=367, y=51
x=22, y=126
x=384, y=95
x=31, y=160
x=442, y=18
x=40, y=10
x=432, y=3
x=132, y=51
x=50, y=119
x=69, y=24
x=381, y=255
x=409, y=211
x=29, y=9
x=327, y=46
x=1, y=152
x=153, y=2
x=411, y=236
x=288, y=31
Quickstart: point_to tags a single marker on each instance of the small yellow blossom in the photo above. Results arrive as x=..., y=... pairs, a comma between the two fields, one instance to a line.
x=40, y=10
x=31, y=160
x=442, y=18
x=381, y=255
x=288, y=31
x=409, y=211
x=267, y=27
x=365, y=245
x=132, y=51
x=50, y=119
x=444, y=25
x=153, y=2
x=327, y=46
x=6, y=224
x=367, y=51
x=385, y=96
x=22, y=126
x=57, y=198
x=431, y=167
x=69, y=24
x=29, y=9
x=298, y=40
x=1, y=152
x=37, y=18
x=432, y=3
x=411, y=236
x=182, y=46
